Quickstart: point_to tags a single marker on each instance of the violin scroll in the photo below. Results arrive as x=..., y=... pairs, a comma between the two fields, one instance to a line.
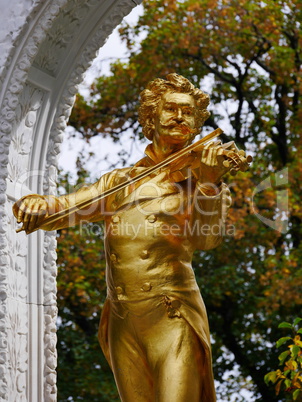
x=236, y=160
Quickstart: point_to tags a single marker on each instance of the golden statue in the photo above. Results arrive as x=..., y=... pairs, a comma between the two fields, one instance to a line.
x=154, y=329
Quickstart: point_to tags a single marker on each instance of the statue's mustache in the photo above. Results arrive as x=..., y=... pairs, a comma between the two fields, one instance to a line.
x=184, y=126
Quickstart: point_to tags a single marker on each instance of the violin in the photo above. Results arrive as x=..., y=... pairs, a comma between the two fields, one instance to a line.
x=236, y=160
x=188, y=159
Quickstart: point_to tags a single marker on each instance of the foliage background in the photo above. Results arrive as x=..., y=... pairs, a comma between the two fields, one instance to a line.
x=247, y=55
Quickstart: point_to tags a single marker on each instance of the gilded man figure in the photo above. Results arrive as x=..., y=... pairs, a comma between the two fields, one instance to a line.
x=154, y=329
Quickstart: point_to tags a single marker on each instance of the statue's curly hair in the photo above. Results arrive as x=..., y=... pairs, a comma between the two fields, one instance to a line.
x=151, y=96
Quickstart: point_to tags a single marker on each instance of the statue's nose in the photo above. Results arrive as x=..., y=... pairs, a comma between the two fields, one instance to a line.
x=179, y=116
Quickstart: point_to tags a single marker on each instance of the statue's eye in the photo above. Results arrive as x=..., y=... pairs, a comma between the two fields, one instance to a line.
x=170, y=109
x=187, y=111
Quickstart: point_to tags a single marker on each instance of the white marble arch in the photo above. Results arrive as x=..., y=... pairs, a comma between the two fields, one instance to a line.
x=45, y=47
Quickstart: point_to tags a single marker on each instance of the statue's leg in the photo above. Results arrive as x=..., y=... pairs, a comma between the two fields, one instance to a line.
x=132, y=376
x=156, y=357
x=178, y=358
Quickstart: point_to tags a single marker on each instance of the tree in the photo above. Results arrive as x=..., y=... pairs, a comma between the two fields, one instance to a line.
x=247, y=54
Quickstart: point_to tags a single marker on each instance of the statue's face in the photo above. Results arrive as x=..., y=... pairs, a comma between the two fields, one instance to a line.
x=175, y=118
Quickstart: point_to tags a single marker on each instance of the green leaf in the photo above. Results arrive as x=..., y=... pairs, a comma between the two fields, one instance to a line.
x=295, y=350
x=299, y=331
x=281, y=341
x=270, y=377
x=296, y=394
x=298, y=319
x=285, y=325
x=287, y=383
x=283, y=356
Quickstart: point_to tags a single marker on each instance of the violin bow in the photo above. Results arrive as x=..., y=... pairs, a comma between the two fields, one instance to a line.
x=84, y=204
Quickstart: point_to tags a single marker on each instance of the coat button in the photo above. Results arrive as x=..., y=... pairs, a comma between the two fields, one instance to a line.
x=151, y=218
x=144, y=254
x=115, y=219
x=175, y=303
x=113, y=258
x=146, y=287
x=119, y=290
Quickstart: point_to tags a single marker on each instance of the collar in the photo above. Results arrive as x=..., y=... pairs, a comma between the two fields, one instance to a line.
x=150, y=159
x=149, y=151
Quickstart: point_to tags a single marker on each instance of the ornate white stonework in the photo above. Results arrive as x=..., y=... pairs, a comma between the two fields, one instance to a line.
x=45, y=47
x=17, y=317
x=23, y=127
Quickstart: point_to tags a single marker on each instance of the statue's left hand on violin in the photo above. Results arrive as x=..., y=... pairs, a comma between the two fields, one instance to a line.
x=210, y=160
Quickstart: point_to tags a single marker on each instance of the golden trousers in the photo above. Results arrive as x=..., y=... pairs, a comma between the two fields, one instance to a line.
x=155, y=354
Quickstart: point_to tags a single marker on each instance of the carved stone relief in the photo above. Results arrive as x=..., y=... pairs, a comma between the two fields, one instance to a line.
x=17, y=312
x=47, y=30
x=26, y=116
x=17, y=345
x=62, y=33
x=13, y=17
